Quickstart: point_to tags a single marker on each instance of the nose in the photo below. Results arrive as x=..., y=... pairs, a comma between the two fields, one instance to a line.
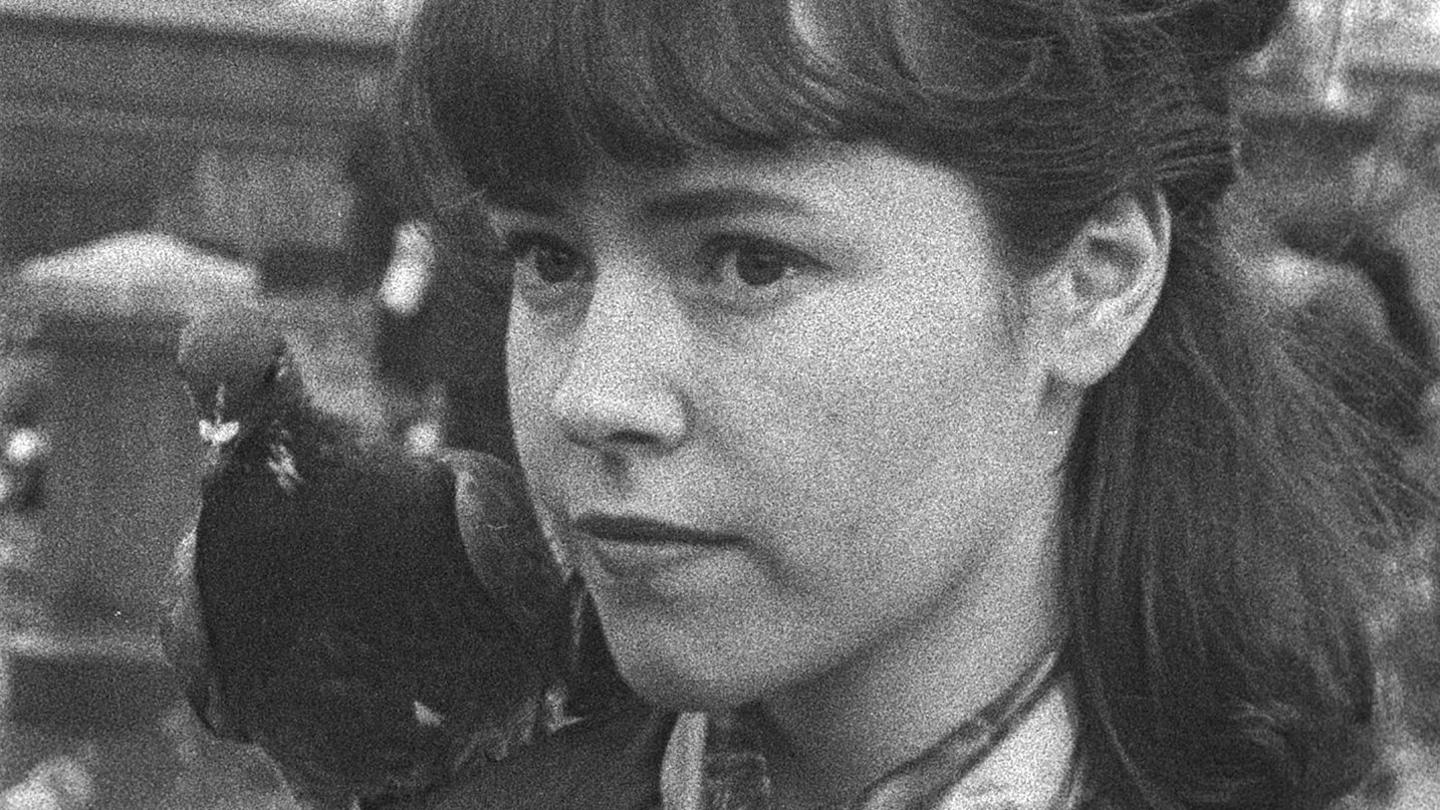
x=622, y=393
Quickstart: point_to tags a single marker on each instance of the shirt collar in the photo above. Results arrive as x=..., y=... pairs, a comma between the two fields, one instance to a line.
x=711, y=763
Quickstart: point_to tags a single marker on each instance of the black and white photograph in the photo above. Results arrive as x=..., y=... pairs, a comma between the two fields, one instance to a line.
x=719, y=404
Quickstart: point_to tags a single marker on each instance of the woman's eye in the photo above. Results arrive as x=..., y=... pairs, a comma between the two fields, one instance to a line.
x=538, y=259
x=545, y=271
x=752, y=266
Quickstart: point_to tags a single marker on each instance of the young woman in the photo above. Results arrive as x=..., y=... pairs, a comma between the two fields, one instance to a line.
x=877, y=365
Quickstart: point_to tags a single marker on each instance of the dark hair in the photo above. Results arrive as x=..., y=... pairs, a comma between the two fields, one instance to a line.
x=1219, y=510
x=1050, y=107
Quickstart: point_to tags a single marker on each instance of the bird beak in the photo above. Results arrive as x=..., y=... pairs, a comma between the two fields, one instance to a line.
x=216, y=457
x=219, y=438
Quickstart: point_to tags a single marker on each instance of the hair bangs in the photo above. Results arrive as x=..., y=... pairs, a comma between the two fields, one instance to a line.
x=541, y=90
x=1049, y=113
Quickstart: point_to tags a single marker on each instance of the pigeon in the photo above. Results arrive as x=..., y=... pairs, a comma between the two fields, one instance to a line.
x=380, y=623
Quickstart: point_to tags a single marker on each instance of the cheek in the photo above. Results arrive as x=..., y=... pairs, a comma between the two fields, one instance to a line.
x=530, y=364
x=864, y=411
x=896, y=447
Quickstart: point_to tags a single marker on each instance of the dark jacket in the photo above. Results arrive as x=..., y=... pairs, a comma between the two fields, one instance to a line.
x=610, y=761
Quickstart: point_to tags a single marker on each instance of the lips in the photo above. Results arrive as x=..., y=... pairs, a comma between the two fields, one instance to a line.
x=633, y=548
x=649, y=532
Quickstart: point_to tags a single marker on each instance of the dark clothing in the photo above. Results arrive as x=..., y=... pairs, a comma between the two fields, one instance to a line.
x=610, y=762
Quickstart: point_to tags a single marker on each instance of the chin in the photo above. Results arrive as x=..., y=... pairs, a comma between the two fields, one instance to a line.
x=688, y=686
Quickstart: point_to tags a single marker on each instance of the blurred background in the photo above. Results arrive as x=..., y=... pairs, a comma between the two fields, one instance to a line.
x=160, y=155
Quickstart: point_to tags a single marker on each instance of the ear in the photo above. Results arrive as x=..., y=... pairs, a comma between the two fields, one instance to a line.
x=1101, y=292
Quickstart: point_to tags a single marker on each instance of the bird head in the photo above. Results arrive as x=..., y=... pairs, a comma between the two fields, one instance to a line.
x=240, y=376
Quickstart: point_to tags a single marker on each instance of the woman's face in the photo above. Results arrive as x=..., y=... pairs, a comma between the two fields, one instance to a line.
x=783, y=412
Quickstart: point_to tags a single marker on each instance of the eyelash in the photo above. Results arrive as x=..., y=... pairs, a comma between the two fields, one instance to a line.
x=517, y=245
x=530, y=286
x=720, y=246
x=709, y=277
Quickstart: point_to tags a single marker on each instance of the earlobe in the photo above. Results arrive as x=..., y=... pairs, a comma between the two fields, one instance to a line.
x=1108, y=282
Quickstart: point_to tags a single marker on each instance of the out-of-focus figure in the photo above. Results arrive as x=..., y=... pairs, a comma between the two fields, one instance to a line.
x=65, y=781
x=1362, y=285
x=1341, y=282
x=439, y=361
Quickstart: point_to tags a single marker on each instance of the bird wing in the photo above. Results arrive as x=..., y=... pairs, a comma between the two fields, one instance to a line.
x=513, y=562
x=186, y=642
x=330, y=714
x=506, y=548
x=443, y=669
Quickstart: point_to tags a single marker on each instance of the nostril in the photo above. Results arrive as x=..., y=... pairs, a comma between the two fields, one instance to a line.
x=630, y=437
x=597, y=437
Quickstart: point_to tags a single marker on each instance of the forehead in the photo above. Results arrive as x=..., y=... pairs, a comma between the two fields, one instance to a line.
x=821, y=180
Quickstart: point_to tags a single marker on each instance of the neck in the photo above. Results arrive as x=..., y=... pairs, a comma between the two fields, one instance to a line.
x=839, y=733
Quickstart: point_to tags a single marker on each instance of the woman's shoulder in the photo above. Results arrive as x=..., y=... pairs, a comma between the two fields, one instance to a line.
x=610, y=760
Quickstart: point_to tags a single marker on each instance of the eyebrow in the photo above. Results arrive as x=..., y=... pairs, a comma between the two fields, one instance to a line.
x=717, y=203
x=680, y=207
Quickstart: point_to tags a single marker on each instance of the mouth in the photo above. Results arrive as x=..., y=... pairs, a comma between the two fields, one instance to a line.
x=635, y=548
x=646, y=531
